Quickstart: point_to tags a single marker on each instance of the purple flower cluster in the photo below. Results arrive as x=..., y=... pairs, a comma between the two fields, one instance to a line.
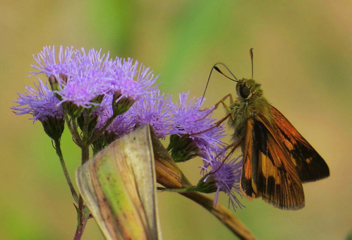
x=198, y=124
x=81, y=77
x=167, y=118
x=119, y=96
x=84, y=76
x=227, y=176
x=40, y=102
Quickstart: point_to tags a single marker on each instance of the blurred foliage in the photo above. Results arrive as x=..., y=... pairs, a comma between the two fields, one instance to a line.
x=349, y=236
x=302, y=57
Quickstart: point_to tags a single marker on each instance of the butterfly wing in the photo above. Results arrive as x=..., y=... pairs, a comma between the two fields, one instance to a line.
x=268, y=171
x=248, y=183
x=309, y=164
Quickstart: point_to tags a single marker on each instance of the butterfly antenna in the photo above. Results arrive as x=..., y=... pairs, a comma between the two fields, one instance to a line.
x=206, y=86
x=219, y=71
x=251, y=54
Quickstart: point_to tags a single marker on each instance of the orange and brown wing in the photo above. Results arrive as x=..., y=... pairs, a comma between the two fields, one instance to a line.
x=267, y=169
x=250, y=163
x=308, y=163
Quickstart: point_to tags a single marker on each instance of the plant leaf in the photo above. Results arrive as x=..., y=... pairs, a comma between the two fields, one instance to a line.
x=119, y=187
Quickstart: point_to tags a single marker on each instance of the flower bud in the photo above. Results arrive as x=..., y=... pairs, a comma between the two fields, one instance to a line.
x=121, y=104
x=207, y=184
x=183, y=148
x=53, y=127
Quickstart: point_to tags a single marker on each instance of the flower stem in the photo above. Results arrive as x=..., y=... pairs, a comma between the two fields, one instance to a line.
x=178, y=190
x=85, y=154
x=73, y=130
x=63, y=165
x=221, y=213
x=82, y=217
x=85, y=126
x=83, y=213
x=100, y=132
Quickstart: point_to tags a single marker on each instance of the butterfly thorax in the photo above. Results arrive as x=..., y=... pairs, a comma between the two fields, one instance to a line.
x=250, y=101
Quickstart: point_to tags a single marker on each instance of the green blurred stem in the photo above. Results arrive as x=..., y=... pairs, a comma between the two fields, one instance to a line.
x=101, y=131
x=83, y=213
x=73, y=129
x=64, y=168
x=221, y=213
x=178, y=190
x=85, y=126
x=85, y=154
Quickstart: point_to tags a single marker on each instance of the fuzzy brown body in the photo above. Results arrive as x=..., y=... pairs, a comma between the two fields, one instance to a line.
x=243, y=109
x=276, y=158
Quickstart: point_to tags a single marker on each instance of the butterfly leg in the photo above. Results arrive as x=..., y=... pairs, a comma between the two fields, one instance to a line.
x=218, y=123
x=233, y=147
x=222, y=101
x=228, y=109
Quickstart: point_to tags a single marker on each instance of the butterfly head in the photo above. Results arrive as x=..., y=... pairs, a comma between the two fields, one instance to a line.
x=248, y=88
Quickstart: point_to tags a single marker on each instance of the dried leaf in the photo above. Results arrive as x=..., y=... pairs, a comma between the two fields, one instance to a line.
x=119, y=187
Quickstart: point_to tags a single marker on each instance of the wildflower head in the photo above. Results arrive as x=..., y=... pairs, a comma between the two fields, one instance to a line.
x=79, y=77
x=154, y=109
x=223, y=175
x=81, y=81
x=194, y=129
x=41, y=103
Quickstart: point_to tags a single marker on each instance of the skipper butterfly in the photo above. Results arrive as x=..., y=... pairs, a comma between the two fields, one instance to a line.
x=276, y=157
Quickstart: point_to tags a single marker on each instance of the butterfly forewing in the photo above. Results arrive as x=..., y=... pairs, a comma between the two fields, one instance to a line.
x=309, y=164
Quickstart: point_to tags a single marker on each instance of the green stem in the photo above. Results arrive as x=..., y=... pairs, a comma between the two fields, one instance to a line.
x=82, y=217
x=85, y=126
x=85, y=154
x=98, y=134
x=73, y=130
x=83, y=213
x=63, y=165
x=223, y=214
x=75, y=127
x=178, y=190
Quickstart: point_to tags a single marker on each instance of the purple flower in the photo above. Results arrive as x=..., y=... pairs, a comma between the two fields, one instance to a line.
x=84, y=76
x=40, y=102
x=225, y=174
x=49, y=65
x=198, y=124
x=43, y=105
x=122, y=79
x=122, y=124
x=154, y=109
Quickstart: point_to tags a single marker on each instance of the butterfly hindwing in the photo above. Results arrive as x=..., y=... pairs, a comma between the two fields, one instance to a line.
x=248, y=184
x=309, y=164
x=273, y=175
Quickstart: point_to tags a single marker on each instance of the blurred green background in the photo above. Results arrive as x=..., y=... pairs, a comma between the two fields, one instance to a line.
x=303, y=58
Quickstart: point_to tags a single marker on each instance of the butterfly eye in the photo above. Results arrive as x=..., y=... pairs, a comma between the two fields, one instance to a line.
x=244, y=91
